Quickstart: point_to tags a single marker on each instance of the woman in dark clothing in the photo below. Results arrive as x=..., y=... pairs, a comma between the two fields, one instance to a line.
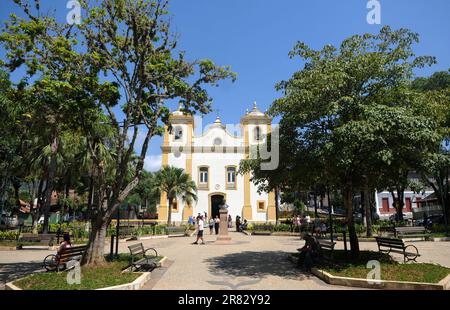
x=216, y=224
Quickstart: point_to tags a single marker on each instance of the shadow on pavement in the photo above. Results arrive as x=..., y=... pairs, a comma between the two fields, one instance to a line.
x=12, y=271
x=256, y=264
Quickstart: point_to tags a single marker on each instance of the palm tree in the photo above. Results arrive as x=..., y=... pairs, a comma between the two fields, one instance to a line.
x=176, y=184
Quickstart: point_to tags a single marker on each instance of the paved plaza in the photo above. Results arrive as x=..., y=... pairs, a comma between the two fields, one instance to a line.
x=250, y=262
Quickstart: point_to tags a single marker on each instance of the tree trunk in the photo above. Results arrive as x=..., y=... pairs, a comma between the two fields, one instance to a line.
x=51, y=176
x=315, y=206
x=16, y=186
x=398, y=203
x=36, y=213
x=368, y=210
x=94, y=254
x=277, y=204
x=169, y=215
x=348, y=204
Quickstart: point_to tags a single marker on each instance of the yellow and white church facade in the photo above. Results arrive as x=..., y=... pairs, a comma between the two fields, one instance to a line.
x=212, y=157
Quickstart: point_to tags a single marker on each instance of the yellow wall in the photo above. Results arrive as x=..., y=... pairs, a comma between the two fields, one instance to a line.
x=163, y=210
x=247, y=208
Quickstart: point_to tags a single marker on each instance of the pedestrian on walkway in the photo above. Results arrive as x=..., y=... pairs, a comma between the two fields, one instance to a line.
x=216, y=224
x=230, y=221
x=211, y=226
x=200, y=228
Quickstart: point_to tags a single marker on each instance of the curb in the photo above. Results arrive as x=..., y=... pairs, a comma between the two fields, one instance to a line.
x=153, y=237
x=135, y=285
x=444, y=284
x=8, y=248
x=440, y=239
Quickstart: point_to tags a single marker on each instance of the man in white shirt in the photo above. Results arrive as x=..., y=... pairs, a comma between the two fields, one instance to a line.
x=200, y=228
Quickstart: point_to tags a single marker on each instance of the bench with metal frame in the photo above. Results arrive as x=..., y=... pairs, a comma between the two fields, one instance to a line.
x=47, y=239
x=263, y=230
x=392, y=245
x=326, y=252
x=418, y=231
x=61, y=260
x=141, y=259
x=327, y=249
x=176, y=231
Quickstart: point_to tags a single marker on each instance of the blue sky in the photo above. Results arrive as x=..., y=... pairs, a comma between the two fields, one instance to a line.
x=255, y=36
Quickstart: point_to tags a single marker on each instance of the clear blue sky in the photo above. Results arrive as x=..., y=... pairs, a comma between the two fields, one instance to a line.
x=255, y=36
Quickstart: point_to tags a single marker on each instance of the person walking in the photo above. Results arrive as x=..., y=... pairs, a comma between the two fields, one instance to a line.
x=211, y=226
x=238, y=223
x=230, y=221
x=200, y=228
x=216, y=224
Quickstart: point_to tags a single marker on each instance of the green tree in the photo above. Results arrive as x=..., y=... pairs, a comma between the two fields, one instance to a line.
x=147, y=193
x=435, y=168
x=176, y=184
x=131, y=44
x=327, y=101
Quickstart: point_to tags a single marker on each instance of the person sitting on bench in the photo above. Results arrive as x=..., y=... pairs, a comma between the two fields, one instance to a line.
x=65, y=244
x=244, y=225
x=309, y=251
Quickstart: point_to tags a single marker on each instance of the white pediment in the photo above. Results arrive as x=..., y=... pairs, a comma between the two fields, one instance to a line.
x=218, y=135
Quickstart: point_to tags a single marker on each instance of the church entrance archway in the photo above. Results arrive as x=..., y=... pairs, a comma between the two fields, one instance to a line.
x=215, y=200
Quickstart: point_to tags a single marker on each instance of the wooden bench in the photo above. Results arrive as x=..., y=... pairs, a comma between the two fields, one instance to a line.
x=386, y=230
x=47, y=239
x=60, y=261
x=327, y=249
x=174, y=231
x=125, y=231
x=140, y=259
x=418, y=231
x=391, y=245
x=263, y=230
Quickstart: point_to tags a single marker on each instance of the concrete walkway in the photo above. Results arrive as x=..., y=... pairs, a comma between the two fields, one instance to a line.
x=250, y=262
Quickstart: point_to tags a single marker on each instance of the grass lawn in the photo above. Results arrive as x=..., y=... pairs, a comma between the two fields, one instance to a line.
x=109, y=274
x=439, y=235
x=13, y=243
x=394, y=271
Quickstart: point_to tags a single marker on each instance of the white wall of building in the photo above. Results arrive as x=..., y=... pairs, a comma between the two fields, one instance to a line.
x=217, y=160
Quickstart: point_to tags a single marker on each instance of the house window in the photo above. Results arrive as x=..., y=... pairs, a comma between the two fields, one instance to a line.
x=178, y=135
x=203, y=178
x=231, y=177
x=175, y=206
x=257, y=133
x=261, y=206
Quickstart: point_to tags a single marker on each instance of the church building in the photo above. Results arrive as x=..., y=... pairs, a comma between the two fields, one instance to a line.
x=212, y=160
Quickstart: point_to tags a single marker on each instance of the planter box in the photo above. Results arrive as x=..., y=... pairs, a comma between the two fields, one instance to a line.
x=261, y=233
x=380, y=284
x=285, y=234
x=440, y=239
x=135, y=285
